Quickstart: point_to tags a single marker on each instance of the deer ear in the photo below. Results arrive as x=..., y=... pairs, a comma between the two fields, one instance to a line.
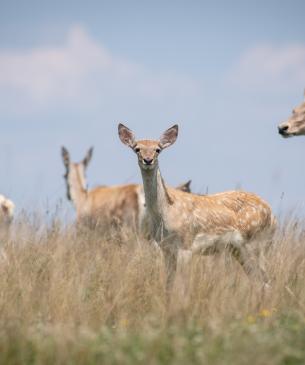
x=65, y=156
x=88, y=157
x=186, y=187
x=126, y=135
x=169, y=137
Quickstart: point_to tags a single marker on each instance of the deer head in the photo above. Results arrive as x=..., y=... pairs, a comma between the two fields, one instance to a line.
x=148, y=150
x=295, y=125
x=75, y=172
x=6, y=210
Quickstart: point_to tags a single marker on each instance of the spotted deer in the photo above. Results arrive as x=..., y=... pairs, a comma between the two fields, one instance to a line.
x=201, y=224
x=295, y=125
x=123, y=204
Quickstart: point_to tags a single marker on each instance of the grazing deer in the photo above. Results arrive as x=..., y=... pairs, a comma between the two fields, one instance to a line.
x=123, y=204
x=295, y=125
x=6, y=211
x=201, y=224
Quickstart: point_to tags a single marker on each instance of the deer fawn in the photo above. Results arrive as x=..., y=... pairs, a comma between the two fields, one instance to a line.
x=201, y=224
x=103, y=205
x=295, y=125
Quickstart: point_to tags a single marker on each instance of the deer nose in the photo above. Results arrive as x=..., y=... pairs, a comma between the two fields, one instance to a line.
x=148, y=161
x=282, y=128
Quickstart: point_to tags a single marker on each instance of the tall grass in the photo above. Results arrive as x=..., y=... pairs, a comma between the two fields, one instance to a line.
x=72, y=296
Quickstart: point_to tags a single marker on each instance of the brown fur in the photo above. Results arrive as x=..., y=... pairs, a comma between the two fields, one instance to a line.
x=202, y=224
x=118, y=204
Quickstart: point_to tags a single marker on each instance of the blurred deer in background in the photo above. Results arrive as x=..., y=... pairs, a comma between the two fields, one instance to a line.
x=123, y=204
x=7, y=208
x=295, y=125
x=201, y=224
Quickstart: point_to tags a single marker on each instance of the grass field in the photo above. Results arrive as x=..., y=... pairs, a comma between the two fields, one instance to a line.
x=69, y=297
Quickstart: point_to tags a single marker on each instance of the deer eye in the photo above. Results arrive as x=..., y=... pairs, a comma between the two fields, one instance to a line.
x=158, y=150
x=137, y=149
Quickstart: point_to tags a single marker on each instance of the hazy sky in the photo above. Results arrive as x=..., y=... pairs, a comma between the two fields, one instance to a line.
x=226, y=72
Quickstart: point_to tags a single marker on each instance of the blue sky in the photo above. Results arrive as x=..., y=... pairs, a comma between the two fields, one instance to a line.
x=226, y=72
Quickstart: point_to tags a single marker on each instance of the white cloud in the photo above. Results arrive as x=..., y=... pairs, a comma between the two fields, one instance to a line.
x=81, y=71
x=269, y=67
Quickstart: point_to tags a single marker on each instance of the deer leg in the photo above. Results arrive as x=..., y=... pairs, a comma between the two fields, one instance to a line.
x=205, y=244
x=251, y=266
x=210, y=244
x=170, y=259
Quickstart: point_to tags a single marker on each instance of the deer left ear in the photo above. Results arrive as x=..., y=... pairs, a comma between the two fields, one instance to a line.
x=169, y=137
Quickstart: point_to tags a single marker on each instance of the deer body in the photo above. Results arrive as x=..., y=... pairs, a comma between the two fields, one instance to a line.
x=201, y=224
x=120, y=204
x=183, y=216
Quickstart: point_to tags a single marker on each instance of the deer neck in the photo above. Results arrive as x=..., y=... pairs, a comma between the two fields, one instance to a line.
x=157, y=198
x=77, y=190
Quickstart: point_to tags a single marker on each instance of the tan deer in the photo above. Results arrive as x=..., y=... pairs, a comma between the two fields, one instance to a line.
x=6, y=211
x=122, y=204
x=295, y=125
x=201, y=224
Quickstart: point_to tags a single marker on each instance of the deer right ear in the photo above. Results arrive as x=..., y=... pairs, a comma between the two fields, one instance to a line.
x=88, y=157
x=186, y=187
x=126, y=135
x=65, y=156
